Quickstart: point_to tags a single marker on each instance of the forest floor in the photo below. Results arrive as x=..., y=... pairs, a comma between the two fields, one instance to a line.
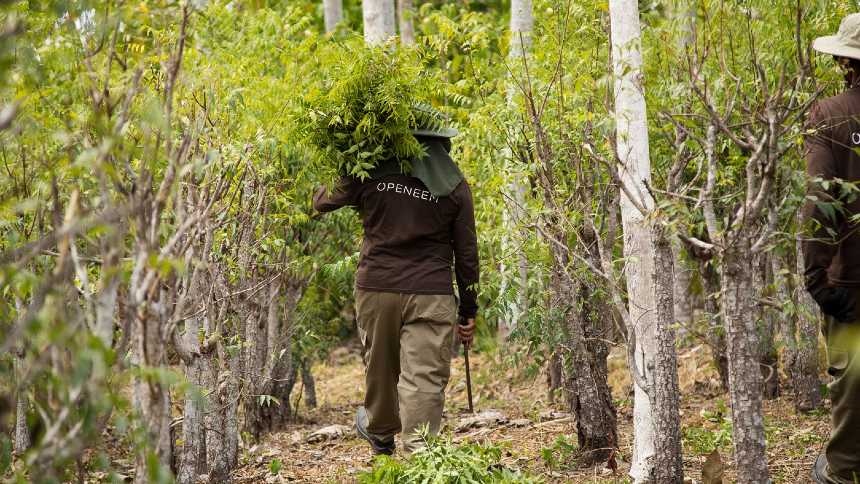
x=542, y=446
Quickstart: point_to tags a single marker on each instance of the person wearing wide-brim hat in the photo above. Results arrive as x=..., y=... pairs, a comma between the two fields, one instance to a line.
x=832, y=250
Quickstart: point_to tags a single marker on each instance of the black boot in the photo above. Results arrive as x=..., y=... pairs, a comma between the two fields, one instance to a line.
x=379, y=446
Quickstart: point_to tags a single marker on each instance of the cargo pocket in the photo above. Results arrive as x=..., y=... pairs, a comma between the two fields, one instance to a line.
x=446, y=350
x=438, y=308
x=365, y=309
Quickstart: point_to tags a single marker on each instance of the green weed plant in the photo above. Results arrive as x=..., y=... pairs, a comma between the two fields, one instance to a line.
x=443, y=462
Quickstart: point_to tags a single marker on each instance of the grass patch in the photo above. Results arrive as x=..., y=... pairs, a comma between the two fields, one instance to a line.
x=561, y=454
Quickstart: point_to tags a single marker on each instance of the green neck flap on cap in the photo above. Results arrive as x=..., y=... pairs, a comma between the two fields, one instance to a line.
x=437, y=170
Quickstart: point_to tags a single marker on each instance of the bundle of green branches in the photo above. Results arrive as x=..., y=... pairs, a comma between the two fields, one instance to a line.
x=365, y=111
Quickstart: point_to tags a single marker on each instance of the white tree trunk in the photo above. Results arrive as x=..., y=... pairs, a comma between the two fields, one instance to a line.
x=109, y=281
x=522, y=24
x=22, y=432
x=639, y=248
x=405, y=13
x=333, y=11
x=105, y=310
x=379, y=24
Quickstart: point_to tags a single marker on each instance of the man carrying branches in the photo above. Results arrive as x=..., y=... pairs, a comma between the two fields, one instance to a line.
x=832, y=254
x=416, y=227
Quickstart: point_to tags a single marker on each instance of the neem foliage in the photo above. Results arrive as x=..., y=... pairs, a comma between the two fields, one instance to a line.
x=364, y=111
x=441, y=462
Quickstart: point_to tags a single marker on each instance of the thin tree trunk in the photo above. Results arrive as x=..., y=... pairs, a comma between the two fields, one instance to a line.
x=768, y=357
x=193, y=460
x=22, y=432
x=635, y=168
x=405, y=13
x=309, y=384
x=554, y=376
x=715, y=331
x=282, y=370
x=231, y=415
x=255, y=350
x=106, y=300
x=221, y=413
x=195, y=356
x=521, y=25
x=379, y=24
x=215, y=424
x=802, y=363
x=333, y=12
x=682, y=280
x=512, y=217
x=745, y=379
x=588, y=394
x=217, y=376
x=668, y=464
x=151, y=398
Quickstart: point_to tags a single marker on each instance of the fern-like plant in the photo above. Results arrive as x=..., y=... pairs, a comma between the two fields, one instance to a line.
x=366, y=110
x=443, y=462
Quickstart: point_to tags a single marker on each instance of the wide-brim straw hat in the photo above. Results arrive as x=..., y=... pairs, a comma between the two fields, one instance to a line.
x=846, y=42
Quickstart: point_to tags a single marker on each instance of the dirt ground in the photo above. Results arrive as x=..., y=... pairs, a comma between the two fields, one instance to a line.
x=793, y=440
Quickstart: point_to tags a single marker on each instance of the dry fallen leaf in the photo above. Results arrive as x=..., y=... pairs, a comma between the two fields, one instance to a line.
x=486, y=418
x=328, y=433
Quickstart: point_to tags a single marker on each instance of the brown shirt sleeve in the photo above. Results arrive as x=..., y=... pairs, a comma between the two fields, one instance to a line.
x=346, y=193
x=820, y=214
x=466, y=266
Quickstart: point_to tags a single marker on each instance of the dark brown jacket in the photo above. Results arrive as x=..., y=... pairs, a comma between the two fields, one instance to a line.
x=832, y=253
x=411, y=238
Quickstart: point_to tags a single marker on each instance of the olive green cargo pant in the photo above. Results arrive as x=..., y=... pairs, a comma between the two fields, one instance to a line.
x=843, y=364
x=407, y=340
